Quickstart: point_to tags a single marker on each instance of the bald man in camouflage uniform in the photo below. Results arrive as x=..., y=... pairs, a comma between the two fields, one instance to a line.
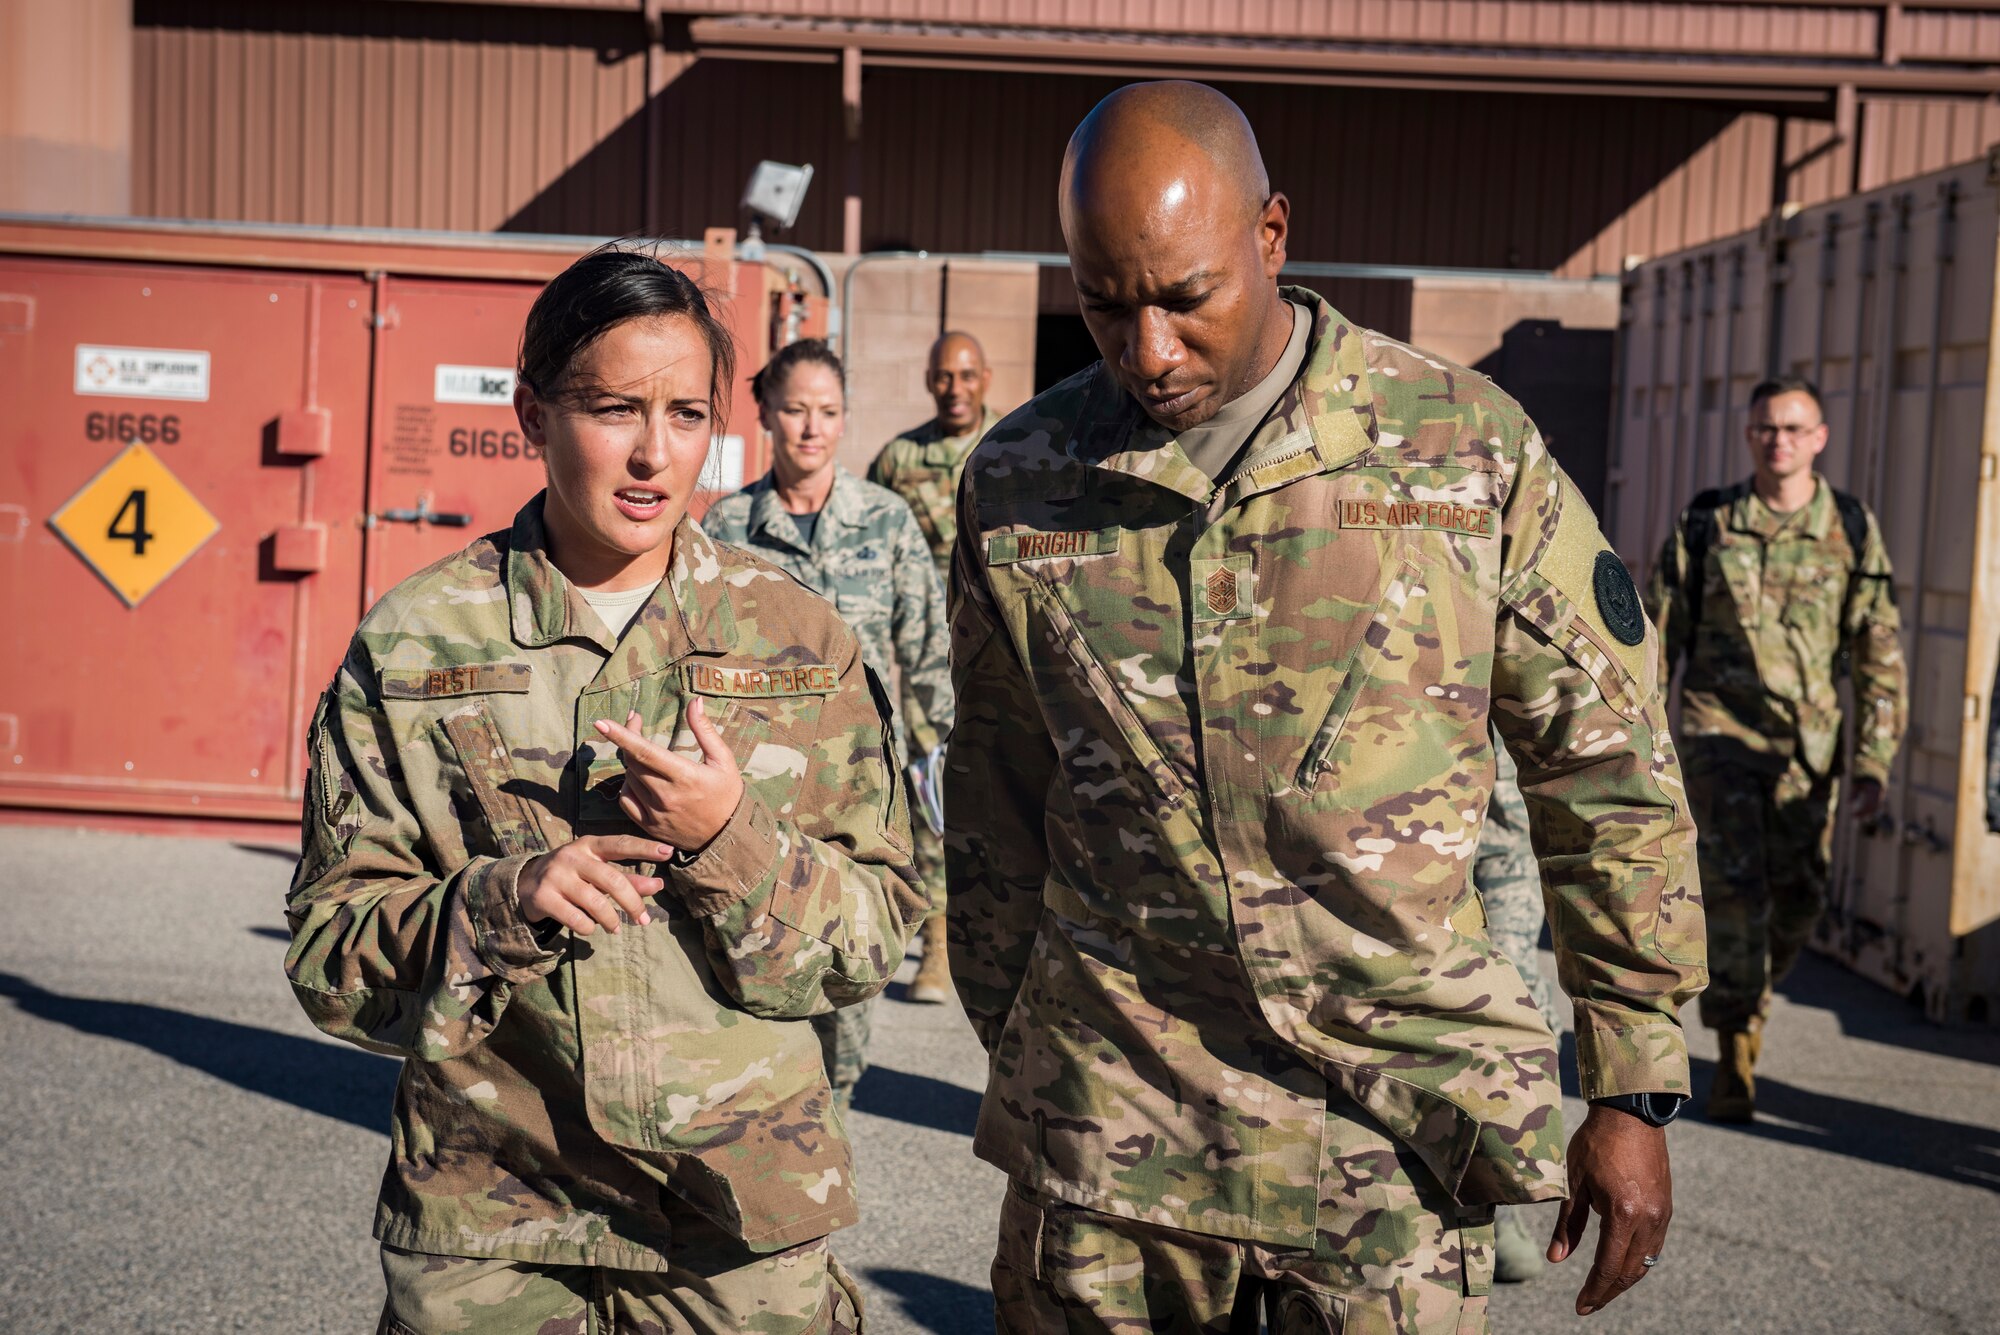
x=1771, y=590
x=923, y=466
x=1224, y=682
x=868, y=558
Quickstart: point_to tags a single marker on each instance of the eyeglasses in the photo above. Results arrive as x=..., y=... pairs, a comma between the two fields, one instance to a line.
x=1792, y=431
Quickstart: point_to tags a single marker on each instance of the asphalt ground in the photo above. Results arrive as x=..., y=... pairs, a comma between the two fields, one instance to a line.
x=179, y=1151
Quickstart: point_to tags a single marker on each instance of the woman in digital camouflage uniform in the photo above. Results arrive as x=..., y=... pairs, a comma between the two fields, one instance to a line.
x=600, y=814
x=860, y=546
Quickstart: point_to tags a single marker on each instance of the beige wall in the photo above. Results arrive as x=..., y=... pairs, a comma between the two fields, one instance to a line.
x=899, y=308
x=66, y=106
x=1464, y=319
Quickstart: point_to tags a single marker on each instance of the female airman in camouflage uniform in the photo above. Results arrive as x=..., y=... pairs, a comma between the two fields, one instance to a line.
x=589, y=871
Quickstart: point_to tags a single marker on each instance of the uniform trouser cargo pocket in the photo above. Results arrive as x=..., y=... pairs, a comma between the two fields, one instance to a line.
x=799, y=1291
x=1303, y=1312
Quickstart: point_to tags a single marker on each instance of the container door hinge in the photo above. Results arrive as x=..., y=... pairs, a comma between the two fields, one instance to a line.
x=1989, y=467
x=299, y=549
x=305, y=433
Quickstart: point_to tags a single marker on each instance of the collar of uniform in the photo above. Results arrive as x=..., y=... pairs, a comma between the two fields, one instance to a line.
x=769, y=515
x=1751, y=515
x=845, y=503
x=942, y=451
x=1329, y=401
x=542, y=606
x=1331, y=398
x=691, y=612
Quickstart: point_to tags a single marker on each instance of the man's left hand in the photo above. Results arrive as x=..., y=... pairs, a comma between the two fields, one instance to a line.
x=1617, y=1167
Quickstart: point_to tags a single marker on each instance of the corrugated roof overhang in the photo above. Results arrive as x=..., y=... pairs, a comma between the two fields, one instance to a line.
x=1135, y=54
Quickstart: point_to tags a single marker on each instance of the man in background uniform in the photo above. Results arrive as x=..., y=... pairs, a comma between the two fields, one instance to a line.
x=922, y=466
x=1231, y=610
x=1510, y=890
x=1770, y=589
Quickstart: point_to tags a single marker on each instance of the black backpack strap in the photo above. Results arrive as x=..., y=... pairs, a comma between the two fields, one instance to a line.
x=1700, y=533
x=1854, y=523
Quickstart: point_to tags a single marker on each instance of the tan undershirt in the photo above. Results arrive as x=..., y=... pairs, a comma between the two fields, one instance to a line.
x=1213, y=446
x=617, y=608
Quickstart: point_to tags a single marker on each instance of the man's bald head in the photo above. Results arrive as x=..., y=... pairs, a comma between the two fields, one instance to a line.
x=1153, y=134
x=951, y=344
x=1175, y=241
x=957, y=377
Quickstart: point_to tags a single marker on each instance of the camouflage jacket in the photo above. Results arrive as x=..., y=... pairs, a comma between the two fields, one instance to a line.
x=1218, y=777
x=554, y=1087
x=1783, y=600
x=923, y=467
x=867, y=558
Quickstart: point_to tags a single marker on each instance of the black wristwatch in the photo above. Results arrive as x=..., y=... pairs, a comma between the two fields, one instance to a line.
x=1652, y=1109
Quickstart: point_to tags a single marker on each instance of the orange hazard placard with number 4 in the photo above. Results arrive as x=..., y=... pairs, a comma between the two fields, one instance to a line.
x=134, y=523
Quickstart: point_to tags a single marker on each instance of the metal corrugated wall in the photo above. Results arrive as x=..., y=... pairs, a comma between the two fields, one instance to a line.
x=1469, y=179
x=484, y=117
x=1905, y=137
x=384, y=115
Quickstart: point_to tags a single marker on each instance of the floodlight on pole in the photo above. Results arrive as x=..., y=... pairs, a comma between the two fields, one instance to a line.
x=776, y=192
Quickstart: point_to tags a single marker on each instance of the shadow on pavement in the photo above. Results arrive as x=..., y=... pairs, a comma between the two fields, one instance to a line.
x=339, y=1082
x=935, y=1303
x=1954, y=1151
x=275, y=933
x=919, y=1100
x=1874, y=1014
x=281, y=852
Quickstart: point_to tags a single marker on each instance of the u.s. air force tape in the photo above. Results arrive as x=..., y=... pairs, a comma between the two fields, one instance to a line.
x=1617, y=600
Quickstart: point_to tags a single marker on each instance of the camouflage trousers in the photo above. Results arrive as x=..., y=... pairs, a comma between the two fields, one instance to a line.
x=843, y=1035
x=1395, y=1257
x=1764, y=842
x=927, y=850
x=843, y=1045
x=1509, y=881
x=799, y=1291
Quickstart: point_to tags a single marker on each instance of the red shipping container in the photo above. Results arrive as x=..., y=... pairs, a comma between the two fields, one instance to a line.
x=223, y=445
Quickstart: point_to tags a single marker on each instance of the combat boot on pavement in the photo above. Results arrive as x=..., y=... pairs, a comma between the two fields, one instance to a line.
x=932, y=985
x=1517, y=1257
x=1732, y=1097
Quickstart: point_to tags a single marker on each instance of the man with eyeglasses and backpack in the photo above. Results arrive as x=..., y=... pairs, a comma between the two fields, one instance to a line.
x=1772, y=590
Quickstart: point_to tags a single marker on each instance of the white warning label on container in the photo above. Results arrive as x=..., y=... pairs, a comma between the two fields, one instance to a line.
x=723, y=470
x=475, y=384
x=142, y=373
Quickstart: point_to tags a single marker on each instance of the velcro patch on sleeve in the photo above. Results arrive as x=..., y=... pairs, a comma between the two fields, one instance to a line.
x=466, y=679
x=1472, y=521
x=1577, y=561
x=1007, y=548
x=754, y=681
